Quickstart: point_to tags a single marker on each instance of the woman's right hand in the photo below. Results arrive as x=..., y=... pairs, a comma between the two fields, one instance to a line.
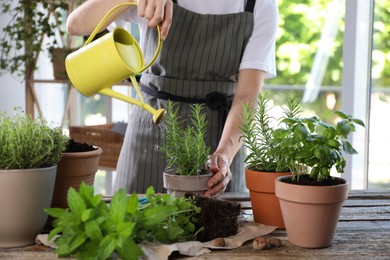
x=157, y=12
x=83, y=20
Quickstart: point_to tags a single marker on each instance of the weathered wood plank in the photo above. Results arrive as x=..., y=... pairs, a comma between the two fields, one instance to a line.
x=367, y=202
x=349, y=245
x=369, y=194
x=366, y=226
x=365, y=213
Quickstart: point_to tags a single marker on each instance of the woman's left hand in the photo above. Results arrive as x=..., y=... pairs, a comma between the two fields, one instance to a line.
x=219, y=166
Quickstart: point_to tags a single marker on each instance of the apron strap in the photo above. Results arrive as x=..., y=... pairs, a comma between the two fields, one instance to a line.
x=250, y=4
x=215, y=101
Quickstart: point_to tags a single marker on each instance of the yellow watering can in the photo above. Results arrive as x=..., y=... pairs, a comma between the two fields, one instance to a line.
x=112, y=58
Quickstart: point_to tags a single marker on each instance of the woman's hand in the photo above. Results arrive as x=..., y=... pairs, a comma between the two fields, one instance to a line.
x=157, y=12
x=83, y=20
x=219, y=166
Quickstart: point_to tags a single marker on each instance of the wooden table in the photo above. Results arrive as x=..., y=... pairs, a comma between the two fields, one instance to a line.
x=363, y=232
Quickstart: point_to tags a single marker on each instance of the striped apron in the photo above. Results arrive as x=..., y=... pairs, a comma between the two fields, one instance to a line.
x=198, y=63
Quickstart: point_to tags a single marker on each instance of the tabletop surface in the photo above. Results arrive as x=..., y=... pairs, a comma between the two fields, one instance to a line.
x=363, y=232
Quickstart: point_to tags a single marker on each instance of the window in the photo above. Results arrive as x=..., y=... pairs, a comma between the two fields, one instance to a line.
x=379, y=140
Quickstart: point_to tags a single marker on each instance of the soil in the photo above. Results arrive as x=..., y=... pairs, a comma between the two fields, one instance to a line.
x=219, y=218
x=306, y=180
x=73, y=147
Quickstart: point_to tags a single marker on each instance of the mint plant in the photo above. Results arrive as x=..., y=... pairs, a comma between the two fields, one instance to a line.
x=27, y=143
x=184, y=144
x=91, y=229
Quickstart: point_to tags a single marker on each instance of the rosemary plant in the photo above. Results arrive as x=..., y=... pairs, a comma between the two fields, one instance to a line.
x=257, y=134
x=184, y=144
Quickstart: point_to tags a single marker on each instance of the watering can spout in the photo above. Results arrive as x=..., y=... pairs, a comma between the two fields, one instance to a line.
x=158, y=115
x=98, y=65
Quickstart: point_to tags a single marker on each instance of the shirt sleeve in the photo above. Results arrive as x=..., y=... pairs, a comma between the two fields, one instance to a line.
x=260, y=50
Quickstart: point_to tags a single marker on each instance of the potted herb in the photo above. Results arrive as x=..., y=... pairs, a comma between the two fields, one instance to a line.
x=185, y=150
x=29, y=153
x=311, y=199
x=263, y=163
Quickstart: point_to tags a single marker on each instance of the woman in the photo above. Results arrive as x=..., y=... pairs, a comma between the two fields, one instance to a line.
x=214, y=52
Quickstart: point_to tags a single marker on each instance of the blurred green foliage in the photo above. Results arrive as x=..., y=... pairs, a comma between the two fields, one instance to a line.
x=300, y=27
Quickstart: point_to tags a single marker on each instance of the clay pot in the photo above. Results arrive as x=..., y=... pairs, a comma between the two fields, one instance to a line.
x=74, y=168
x=24, y=194
x=265, y=204
x=311, y=213
x=58, y=61
x=180, y=184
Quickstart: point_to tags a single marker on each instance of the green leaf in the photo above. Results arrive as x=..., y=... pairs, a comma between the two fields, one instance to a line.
x=86, y=215
x=301, y=154
x=347, y=147
x=63, y=251
x=149, y=194
x=107, y=247
x=314, y=172
x=75, y=202
x=55, y=212
x=174, y=231
x=333, y=143
x=132, y=203
x=289, y=121
x=318, y=153
x=129, y=250
x=93, y=231
x=77, y=240
x=96, y=200
x=125, y=229
x=118, y=205
x=341, y=114
x=329, y=133
x=279, y=133
x=325, y=172
x=358, y=121
x=157, y=215
x=54, y=232
x=301, y=132
x=343, y=128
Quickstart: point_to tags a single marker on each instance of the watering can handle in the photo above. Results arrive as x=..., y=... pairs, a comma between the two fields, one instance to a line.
x=104, y=19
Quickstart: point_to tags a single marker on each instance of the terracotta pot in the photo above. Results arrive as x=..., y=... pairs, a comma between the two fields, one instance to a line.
x=180, y=184
x=73, y=169
x=24, y=194
x=265, y=204
x=310, y=213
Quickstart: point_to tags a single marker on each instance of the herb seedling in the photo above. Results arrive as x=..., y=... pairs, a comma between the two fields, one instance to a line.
x=184, y=144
